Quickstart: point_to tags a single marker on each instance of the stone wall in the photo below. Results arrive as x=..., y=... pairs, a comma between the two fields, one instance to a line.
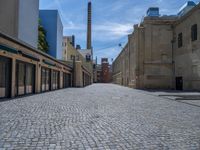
x=152, y=60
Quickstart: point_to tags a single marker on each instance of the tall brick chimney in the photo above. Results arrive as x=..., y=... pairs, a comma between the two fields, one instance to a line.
x=89, y=26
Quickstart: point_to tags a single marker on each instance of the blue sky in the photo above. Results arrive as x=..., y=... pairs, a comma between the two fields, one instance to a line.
x=112, y=20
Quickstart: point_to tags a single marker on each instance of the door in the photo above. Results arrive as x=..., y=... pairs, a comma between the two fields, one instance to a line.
x=69, y=80
x=45, y=79
x=30, y=80
x=55, y=80
x=20, y=82
x=25, y=78
x=66, y=80
x=5, y=77
x=179, y=83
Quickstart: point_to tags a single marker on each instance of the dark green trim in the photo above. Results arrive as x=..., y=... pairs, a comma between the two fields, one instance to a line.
x=8, y=49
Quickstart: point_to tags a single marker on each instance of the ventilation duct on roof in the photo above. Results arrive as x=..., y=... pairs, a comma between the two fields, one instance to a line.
x=186, y=8
x=153, y=12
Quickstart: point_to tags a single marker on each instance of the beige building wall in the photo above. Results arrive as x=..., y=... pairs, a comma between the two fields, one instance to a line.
x=156, y=52
x=144, y=62
x=42, y=57
x=70, y=52
x=152, y=60
x=187, y=57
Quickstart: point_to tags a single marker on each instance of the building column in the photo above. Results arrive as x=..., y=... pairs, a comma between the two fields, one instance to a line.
x=61, y=80
x=78, y=74
x=38, y=78
x=13, y=78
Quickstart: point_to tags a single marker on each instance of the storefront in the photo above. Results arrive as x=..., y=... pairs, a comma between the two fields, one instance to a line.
x=45, y=79
x=5, y=77
x=55, y=80
x=66, y=80
x=25, y=78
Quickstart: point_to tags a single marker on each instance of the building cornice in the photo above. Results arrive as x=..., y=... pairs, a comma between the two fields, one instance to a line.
x=29, y=47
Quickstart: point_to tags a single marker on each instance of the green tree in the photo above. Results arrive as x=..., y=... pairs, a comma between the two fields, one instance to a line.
x=42, y=42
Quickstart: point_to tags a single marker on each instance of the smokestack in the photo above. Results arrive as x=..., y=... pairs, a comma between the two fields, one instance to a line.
x=89, y=26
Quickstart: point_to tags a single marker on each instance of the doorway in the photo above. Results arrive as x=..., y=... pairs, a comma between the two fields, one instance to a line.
x=25, y=78
x=179, y=83
x=45, y=79
x=5, y=77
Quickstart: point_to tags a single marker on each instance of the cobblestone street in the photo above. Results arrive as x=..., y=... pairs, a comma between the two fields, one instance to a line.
x=98, y=117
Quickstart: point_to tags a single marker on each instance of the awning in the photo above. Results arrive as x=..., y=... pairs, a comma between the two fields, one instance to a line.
x=8, y=49
x=49, y=63
x=33, y=57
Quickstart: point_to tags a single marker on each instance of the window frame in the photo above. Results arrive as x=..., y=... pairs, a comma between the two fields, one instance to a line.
x=180, y=40
x=194, y=32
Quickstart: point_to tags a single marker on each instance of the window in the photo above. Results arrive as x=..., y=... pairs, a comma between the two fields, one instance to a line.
x=180, y=40
x=194, y=32
x=88, y=57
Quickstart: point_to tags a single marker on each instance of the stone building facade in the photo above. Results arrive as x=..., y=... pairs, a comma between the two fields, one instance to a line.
x=162, y=53
x=71, y=55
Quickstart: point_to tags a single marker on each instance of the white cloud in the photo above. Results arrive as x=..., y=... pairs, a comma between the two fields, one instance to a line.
x=113, y=28
x=70, y=25
x=111, y=31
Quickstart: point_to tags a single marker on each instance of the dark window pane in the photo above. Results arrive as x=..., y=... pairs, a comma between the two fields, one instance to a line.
x=194, y=32
x=180, y=40
x=2, y=74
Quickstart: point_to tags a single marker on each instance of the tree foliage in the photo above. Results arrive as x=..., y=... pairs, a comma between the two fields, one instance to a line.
x=42, y=42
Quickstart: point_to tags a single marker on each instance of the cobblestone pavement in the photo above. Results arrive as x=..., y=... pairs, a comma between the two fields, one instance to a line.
x=98, y=117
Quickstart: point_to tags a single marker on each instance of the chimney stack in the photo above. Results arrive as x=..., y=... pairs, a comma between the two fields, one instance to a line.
x=89, y=26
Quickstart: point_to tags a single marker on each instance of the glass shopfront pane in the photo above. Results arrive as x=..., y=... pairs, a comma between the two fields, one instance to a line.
x=66, y=80
x=5, y=77
x=29, y=79
x=69, y=80
x=55, y=80
x=43, y=79
x=25, y=74
x=2, y=79
x=21, y=79
x=47, y=78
